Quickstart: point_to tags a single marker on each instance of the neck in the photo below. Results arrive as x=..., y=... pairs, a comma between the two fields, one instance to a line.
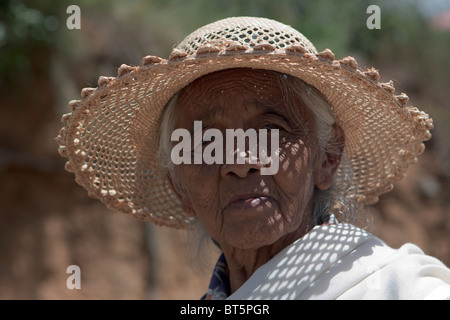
x=242, y=263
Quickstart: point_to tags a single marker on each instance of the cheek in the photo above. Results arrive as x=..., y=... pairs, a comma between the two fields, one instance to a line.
x=295, y=160
x=198, y=184
x=200, y=187
x=295, y=176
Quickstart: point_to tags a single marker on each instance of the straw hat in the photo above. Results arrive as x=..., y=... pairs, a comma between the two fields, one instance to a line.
x=110, y=137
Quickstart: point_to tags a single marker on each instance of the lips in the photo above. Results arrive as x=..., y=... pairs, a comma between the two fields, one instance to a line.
x=247, y=201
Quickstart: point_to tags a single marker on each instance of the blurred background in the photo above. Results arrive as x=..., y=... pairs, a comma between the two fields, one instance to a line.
x=47, y=221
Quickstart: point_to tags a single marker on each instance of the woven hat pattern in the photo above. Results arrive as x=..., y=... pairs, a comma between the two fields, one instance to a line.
x=110, y=136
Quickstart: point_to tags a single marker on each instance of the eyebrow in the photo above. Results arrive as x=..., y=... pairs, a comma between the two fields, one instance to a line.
x=213, y=112
x=206, y=117
x=271, y=110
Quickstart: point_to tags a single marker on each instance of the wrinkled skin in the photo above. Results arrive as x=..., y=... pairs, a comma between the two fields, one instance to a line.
x=251, y=216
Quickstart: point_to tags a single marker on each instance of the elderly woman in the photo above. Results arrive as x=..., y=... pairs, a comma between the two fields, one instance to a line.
x=171, y=142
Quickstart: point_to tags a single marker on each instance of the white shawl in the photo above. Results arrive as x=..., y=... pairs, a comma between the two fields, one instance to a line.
x=344, y=262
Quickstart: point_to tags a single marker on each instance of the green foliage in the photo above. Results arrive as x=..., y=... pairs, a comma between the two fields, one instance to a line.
x=24, y=31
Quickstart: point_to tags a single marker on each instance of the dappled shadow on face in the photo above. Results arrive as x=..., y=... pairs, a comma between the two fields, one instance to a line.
x=293, y=157
x=295, y=271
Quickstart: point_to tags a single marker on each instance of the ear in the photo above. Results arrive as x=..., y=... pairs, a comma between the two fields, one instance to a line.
x=330, y=159
x=186, y=204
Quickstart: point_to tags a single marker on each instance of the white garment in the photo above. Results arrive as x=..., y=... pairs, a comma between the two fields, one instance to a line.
x=345, y=262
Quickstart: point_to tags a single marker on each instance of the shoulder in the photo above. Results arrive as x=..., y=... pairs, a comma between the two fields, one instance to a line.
x=404, y=273
x=358, y=265
x=345, y=262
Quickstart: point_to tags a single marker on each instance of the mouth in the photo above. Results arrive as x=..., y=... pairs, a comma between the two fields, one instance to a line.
x=248, y=202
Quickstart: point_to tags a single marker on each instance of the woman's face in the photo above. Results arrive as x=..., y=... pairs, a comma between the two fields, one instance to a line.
x=237, y=205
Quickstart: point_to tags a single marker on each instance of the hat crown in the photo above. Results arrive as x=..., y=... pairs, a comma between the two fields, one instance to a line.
x=247, y=32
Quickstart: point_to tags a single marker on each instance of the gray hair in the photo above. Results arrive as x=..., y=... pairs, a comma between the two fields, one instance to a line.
x=333, y=200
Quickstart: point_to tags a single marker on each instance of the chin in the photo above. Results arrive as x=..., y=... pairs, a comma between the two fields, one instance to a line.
x=254, y=237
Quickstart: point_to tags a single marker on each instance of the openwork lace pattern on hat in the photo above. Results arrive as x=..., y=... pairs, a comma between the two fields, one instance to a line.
x=247, y=33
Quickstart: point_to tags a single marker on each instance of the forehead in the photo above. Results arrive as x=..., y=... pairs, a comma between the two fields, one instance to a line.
x=245, y=84
x=224, y=79
x=233, y=92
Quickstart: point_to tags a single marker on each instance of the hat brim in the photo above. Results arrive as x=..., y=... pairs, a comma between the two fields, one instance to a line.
x=111, y=137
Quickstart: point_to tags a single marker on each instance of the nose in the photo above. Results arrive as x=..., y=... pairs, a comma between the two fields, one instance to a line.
x=240, y=170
